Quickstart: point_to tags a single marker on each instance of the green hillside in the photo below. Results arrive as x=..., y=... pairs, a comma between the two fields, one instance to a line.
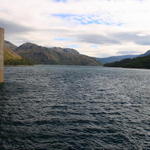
x=139, y=62
x=12, y=58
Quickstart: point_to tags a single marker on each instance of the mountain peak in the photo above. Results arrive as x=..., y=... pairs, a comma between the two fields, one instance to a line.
x=146, y=54
x=66, y=50
x=53, y=55
x=28, y=44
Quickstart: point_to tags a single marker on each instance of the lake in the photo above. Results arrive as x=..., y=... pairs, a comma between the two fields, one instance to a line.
x=74, y=108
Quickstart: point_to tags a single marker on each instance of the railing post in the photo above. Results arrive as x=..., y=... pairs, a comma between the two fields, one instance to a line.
x=1, y=55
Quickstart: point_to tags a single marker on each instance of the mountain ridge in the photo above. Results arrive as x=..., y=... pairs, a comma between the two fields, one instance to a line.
x=141, y=61
x=114, y=58
x=54, y=55
x=12, y=58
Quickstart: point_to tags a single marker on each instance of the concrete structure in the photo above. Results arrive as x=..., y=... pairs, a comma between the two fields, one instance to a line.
x=1, y=55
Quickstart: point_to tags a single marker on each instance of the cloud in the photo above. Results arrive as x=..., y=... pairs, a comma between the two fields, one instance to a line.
x=135, y=37
x=60, y=0
x=62, y=39
x=87, y=19
x=128, y=52
x=13, y=28
x=96, y=39
x=73, y=46
x=98, y=27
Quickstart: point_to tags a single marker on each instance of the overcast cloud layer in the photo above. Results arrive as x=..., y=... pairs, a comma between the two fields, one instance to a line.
x=95, y=27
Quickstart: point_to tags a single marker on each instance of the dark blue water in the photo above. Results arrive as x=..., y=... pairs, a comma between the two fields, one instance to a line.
x=75, y=108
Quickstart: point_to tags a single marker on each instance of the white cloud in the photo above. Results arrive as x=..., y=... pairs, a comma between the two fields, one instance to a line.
x=114, y=16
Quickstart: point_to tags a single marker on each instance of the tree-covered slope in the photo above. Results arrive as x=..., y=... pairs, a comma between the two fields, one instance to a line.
x=139, y=62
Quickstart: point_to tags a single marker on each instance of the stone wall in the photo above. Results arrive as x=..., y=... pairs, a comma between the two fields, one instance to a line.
x=1, y=55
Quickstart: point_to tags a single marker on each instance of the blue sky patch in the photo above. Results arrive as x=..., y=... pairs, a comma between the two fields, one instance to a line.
x=86, y=19
x=73, y=46
x=62, y=39
x=94, y=46
x=60, y=1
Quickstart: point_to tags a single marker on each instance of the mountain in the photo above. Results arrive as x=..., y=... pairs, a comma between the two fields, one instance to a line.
x=12, y=58
x=142, y=61
x=145, y=54
x=55, y=55
x=10, y=45
x=114, y=58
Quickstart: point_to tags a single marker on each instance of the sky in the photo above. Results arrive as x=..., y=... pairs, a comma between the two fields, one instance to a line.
x=98, y=28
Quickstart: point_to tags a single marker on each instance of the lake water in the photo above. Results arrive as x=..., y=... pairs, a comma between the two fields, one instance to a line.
x=75, y=108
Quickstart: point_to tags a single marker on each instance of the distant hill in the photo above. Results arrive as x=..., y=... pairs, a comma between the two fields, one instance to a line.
x=12, y=58
x=55, y=55
x=30, y=53
x=114, y=58
x=10, y=45
x=142, y=61
x=145, y=54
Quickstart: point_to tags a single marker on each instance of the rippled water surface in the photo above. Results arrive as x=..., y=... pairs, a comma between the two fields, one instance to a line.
x=75, y=108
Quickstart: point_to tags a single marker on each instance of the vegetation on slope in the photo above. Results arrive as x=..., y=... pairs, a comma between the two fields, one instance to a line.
x=12, y=58
x=139, y=62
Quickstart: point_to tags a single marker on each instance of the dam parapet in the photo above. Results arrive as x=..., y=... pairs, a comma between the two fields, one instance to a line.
x=1, y=55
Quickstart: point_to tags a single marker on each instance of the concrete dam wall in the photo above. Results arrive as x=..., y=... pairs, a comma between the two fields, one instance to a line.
x=1, y=55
